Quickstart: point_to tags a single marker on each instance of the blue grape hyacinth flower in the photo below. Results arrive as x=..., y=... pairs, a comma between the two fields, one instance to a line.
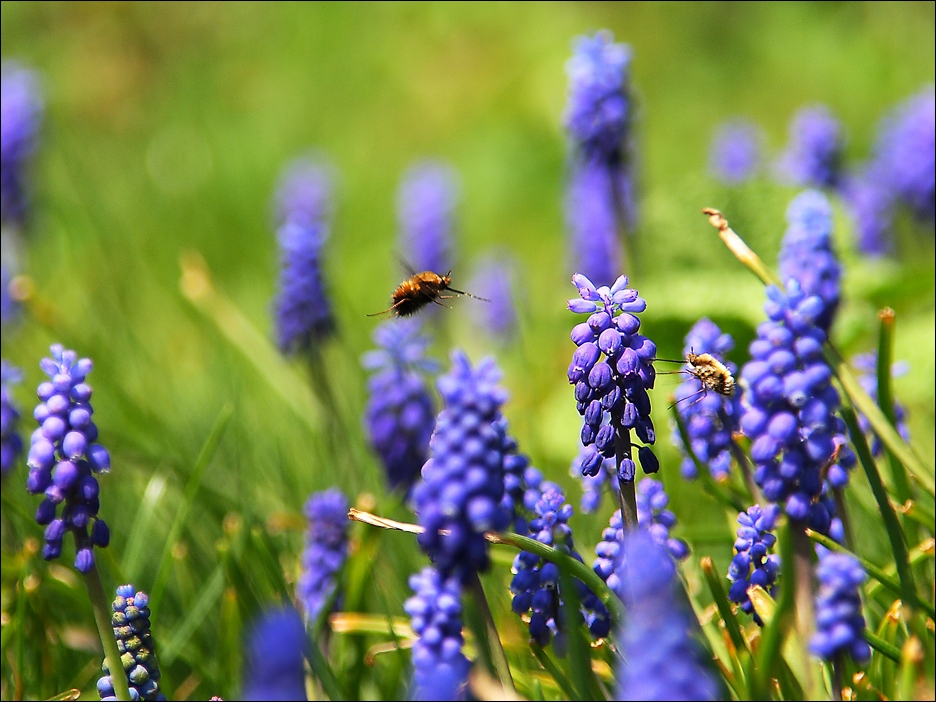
x=64, y=459
x=661, y=661
x=325, y=552
x=21, y=109
x=600, y=199
x=709, y=418
x=535, y=585
x=612, y=369
x=652, y=517
x=814, y=155
x=426, y=205
x=440, y=668
x=839, y=622
x=11, y=444
x=736, y=152
x=788, y=409
x=400, y=413
x=131, y=623
x=461, y=492
x=275, y=652
x=806, y=253
x=303, y=311
x=753, y=564
x=493, y=281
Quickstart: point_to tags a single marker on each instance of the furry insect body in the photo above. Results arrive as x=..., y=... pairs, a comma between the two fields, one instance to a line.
x=419, y=290
x=712, y=373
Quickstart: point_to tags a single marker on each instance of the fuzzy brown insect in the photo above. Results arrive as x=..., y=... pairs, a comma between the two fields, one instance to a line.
x=421, y=289
x=712, y=373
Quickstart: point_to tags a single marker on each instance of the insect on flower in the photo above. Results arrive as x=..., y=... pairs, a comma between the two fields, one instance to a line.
x=419, y=290
x=709, y=371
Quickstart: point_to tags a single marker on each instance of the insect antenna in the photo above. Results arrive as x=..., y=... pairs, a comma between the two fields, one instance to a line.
x=703, y=391
x=462, y=292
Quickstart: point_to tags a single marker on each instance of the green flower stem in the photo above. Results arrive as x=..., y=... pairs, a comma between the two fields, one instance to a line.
x=885, y=360
x=891, y=523
x=626, y=491
x=881, y=646
x=550, y=667
x=717, y=589
x=489, y=634
x=917, y=470
x=101, y=605
x=918, y=512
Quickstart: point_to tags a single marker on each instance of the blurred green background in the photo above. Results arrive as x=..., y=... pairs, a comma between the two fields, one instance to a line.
x=166, y=128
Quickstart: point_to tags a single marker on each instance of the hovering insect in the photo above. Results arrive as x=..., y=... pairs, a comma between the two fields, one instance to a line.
x=709, y=371
x=419, y=290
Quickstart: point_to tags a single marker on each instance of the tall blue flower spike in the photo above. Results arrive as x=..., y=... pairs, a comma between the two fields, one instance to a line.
x=599, y=199
x=753, y=563
x=325, y=552
x=131, y=623
x=612, y=369
x=440, y=669
x=21, y=110
x=64, y=459
x=461, y=494
x=276, y=648
x=660, y=659
x=400, y=412
x=304, y=317
x=814, y=155
x=840, y=624
x=426, y=204
x=736, y=152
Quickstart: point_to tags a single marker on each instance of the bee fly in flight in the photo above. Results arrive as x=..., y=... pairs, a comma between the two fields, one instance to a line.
x=709, y=371
x=419, y=290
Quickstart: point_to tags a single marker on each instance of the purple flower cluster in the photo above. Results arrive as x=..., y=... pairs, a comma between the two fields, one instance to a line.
x=535, y=584
x=303, y=312
x=425, y=206
x=806, y=252
x=709, y=418
x=21, y=111
x=753, y=564
x=901, y=170
x=866, y=365
x=814, y=155
x=64, y=458
x=736, y=152
x=839, y=622
x=275, y=651
x=612, y=369
x=440, y=669
x=461, y=492
x=653, y=517
x=131, y=623
x=400, y=414
x=325, y=552
x=600, y=199
x=11, y=445
x=593, y=486
x=660, y=659
x=522, y=482
x=788, y=408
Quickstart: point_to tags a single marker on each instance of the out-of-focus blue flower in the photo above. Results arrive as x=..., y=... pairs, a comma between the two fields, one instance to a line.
x=9, y=306
x=325, y=552
x=905, y=153
x=461, y=492
x=871, y=206
x=736, y=151
x=425, y=206
x=593, y=486
x=131, y=623
x=814, y=155
x=276, y=648
x=303, y=311
x=522, y=482
x=494, y=281
x=440, y=669
x=612, y=369
x=661, y=661
x=788, y=409
x=709, y=418
x=753, y=564
x=64, y=459
x=806, y=252
x=839, y=622
x=600, y=199
x=11, y=445
x=653, y=517
x=21, y=110
x=535, y=584
x=866, y=365
x=400, y=412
